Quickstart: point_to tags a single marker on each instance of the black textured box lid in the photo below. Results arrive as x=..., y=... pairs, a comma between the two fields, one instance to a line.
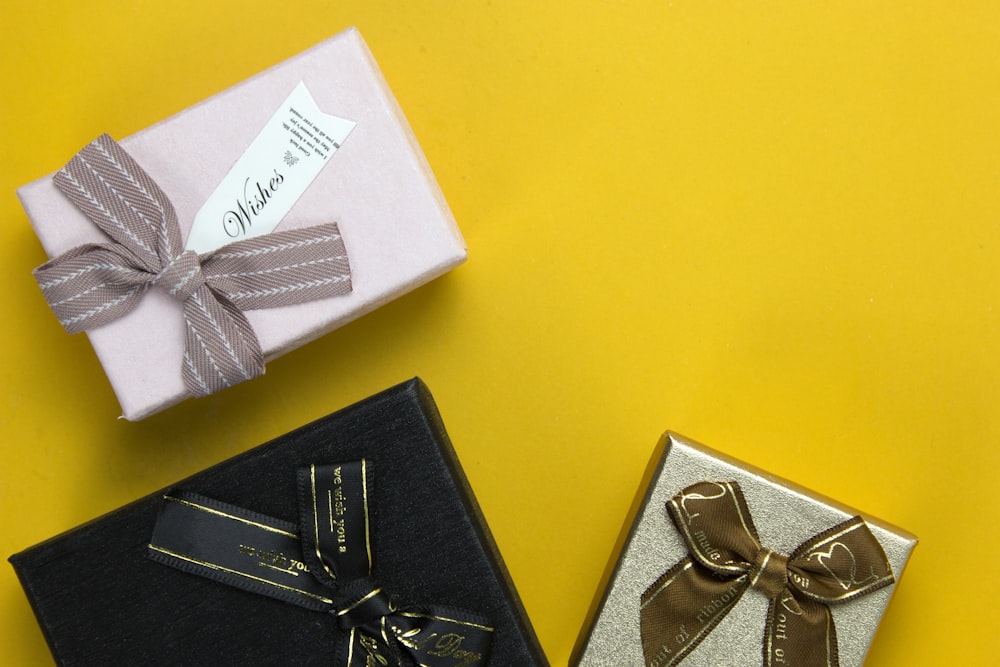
x=101, y=601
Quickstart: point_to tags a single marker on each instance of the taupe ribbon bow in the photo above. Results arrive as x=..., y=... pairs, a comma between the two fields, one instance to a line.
x=93, y=284
x=726, y=558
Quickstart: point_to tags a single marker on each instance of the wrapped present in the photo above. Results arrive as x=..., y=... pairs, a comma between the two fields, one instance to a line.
x=726, y=565
x=241, y=228
x=350, y=541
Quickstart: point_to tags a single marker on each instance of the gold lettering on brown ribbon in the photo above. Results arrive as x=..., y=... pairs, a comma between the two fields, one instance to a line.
x=726, y=558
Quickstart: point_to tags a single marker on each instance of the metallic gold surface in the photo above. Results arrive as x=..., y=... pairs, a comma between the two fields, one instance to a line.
x=785, y=516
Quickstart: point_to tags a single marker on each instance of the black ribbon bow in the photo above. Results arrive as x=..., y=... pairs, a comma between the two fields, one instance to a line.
x=324, y=564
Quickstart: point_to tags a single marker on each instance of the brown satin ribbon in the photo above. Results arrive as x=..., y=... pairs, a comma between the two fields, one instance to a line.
x=94, y=284
x=726, y=558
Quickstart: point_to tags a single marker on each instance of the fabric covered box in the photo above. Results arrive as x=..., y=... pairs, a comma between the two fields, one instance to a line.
x=726, y=565
x=376, y=186
x=103, y=597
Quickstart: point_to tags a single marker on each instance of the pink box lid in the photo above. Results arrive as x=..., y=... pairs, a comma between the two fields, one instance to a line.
x=378, y=187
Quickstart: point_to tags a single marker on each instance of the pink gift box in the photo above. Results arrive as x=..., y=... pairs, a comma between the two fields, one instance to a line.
x=378, y=187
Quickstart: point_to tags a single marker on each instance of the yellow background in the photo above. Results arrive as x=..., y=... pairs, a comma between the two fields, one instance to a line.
x=770, y=226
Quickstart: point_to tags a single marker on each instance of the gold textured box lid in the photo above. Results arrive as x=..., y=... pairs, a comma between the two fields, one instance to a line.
x=785, y=515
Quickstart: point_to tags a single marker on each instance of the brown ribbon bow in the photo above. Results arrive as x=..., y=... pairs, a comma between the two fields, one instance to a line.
x=94, y=284
x=685, y=604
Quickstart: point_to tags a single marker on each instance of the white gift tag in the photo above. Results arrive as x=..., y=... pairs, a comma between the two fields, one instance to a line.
x=271, y=175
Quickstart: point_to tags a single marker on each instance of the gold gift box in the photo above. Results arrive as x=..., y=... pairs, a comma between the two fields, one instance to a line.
x=785, y=515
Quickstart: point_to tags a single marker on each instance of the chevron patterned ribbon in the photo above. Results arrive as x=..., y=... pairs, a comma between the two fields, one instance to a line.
x=726, y=559
x=94, y=284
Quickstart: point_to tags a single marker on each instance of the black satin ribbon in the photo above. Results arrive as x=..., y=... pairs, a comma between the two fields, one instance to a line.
x=324, y=564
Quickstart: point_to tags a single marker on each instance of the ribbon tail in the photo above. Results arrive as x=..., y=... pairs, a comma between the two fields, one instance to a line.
x=681, y=607
x=221, y=348
x=367, y=649
x=439, y=637
x=799, y=632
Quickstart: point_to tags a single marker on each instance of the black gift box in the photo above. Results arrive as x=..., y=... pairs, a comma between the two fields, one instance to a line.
x=101, y=601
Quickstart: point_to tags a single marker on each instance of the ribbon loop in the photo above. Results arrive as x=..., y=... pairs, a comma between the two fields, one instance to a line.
x=93, y=285
x=839, y=564
x=118, y=196
x=685, y=604
x=716, y=525
x=90, y=285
